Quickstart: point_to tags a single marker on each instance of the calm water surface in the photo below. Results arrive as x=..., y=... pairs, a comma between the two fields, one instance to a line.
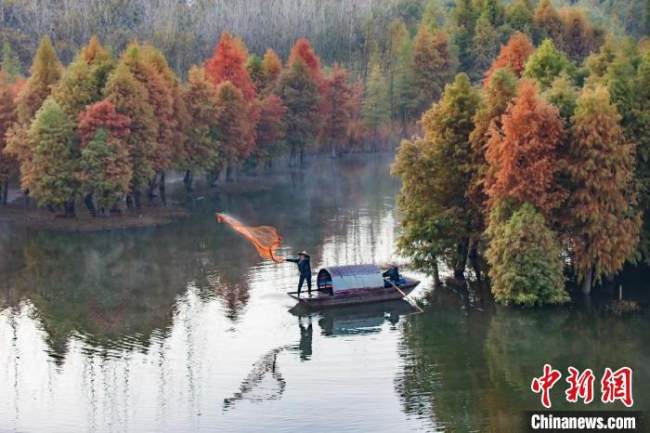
x=184, y=329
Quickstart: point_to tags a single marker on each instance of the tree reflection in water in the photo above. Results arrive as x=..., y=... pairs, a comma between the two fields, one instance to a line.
x=470, y=370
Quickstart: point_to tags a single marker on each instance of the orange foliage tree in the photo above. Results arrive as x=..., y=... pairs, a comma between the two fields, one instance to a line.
x=228, y=63
x=303, y=50
x=178, y=119
x=102, y=115
x=131, y=99
x=513, y=55
x=45, y=72
x=497, y=96
x=337, y=99
x=271, y=69
x=160, y=99
x=271, y=128
x=604, y=223
x=231, y=124
x=523, y=155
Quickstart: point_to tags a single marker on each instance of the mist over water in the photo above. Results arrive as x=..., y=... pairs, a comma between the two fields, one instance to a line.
x=183, y=328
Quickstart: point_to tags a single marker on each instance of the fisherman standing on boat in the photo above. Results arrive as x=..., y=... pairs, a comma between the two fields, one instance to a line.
x=305, y=270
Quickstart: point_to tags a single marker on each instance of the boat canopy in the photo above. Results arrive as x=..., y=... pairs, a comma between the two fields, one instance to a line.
x=341, y=278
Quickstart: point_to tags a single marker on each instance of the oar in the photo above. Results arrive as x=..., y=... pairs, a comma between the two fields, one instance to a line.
x=401, y=292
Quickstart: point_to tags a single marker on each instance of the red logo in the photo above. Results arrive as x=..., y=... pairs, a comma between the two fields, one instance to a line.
x=581, y=386
x=544, y=383
x=614, y=385
x=617, y=385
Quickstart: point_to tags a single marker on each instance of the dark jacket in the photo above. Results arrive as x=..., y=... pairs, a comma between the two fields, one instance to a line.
x=303, y=265
x=392, y=273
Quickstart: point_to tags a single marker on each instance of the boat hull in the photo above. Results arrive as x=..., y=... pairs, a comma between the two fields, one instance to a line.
x=321, y=300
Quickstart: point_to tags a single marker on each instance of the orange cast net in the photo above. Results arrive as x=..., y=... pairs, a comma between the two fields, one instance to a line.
x=265, y=239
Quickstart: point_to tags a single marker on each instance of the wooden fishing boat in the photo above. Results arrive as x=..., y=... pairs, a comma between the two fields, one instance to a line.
x=353, y=284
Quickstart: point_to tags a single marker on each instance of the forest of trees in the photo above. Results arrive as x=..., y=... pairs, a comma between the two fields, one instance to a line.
x=532, y=167
x=524, y=116
x=107, y=129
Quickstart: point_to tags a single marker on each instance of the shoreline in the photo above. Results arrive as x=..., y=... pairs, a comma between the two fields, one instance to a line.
x=16, y=215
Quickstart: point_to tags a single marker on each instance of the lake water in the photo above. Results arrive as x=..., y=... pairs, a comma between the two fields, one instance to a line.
x=183, y=328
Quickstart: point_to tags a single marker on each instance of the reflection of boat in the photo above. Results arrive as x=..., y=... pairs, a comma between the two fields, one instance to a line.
x=362, y=319
x=355, y=284
x=354, y=319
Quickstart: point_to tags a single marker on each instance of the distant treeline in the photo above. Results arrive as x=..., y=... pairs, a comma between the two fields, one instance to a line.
x=340, y=30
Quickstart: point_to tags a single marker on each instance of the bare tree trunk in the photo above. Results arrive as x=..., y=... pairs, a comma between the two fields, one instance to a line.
x=69, y=209
x=188, y=180
x=461, y=259
x=5, y=193
x=152, y=188
x=436, y=274
x=115, y=210
x=474, y=259
x=136, y=198
x=229, y=170
x=292, y=156
x=88, y=201
x=161, y=188
x=588, y=282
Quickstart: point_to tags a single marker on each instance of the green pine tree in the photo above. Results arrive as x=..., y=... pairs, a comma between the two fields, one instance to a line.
x=256, y=72
x=563, y=94
x=464, y=18
x=376, y=109
x=405, y=91
x=300, y=94
x=519, y=17
x=433, y=66
x=525, y=258
x=50, y=175
x=77, y=88
x=485, y=46
x=639, y=131
x=437, y=219
x=105, y=170
x=547, y=63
